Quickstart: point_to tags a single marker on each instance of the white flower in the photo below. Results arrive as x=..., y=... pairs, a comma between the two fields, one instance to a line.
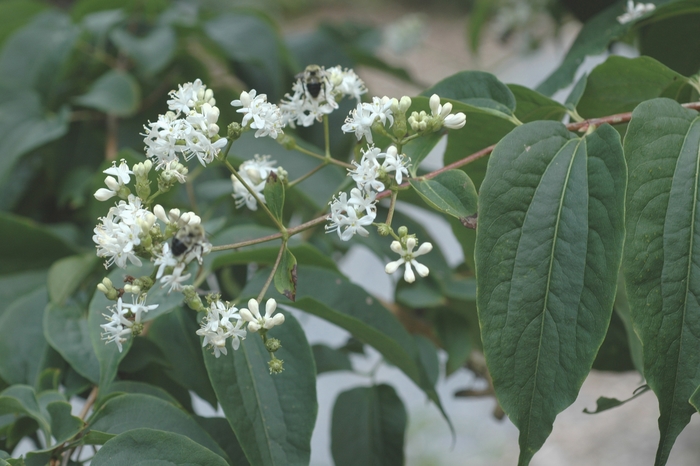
x=634, y=11
x=120, y=177
x=184, y=99
x=259, y=114
x=345, y=218
x=362, y=118
x=256, y=321
x=221, y=322
x=125, y=320
x=408, y=258
x=393, y=161
x=255, y=173
x=175, y=279
x=366, y=172
x=441, y=113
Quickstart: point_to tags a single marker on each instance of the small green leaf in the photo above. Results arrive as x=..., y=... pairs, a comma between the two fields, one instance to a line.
x=604, y=404
x=148, y=446
x=272, y=415
x=21, y=399
x=274, y=195
x=368, y=427
x=152, y=52
x=451, y=192
x=418, y=149
x=330, y=359
x=22, y=342
x=662, y=147
x=124, y=413
x=63, y=425
x=115, y=93
x=66, y=275
x=286, y=275
x=549, y=244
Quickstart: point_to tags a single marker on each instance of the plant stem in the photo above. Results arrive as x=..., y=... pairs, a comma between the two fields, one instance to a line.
x=303, y=177
x=272, y=273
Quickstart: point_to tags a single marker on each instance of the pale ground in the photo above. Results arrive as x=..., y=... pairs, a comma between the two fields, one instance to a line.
x=625, y=436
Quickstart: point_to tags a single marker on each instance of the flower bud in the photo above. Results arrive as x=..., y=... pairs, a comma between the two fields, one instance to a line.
x=276, y=366
x=273, y=344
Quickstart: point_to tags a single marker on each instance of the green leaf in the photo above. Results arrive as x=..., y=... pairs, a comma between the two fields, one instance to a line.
x=66, y=330
x=148, y=446
x=674, y=41
x=14, y=286
x=453, y=331
x=265, y=254
x=286, y=275
x=274, y=195
x=451, y=192
x=476, y=88
x=27, y=245
x=418, y=149
x=574, y=96
x=152, y=52
x=63, y=425
x=175, y=334
x=66, y=275
x=332, y=297
x=662, y=148
x=25, y=125
x=115, y=93
x=368, y=427
x=220, y=430
x=604, y=404
x=35, y=55
x=22, y=343
x=21, y=400
x=549, y=244
x=330, y=359
x=272, y=415
x=130, y=386
x=533, y=106
x=15, y=13
x=124, y=413
x=620, y=84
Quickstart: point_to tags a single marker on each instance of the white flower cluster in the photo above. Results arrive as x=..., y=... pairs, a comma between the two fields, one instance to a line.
x=634, y=11
x=259, y=114
x=224, y=321
x=408, y=258
x=189, y=238
x=349, y=216
x=254, y=172
x=120, y=177
x=121, y=230
x=366, y=114
x=303, y=108
x=125, y=320
x=221, y=322
x=188, y=129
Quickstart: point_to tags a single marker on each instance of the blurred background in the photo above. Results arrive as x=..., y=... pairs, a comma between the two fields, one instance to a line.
x=398, y=48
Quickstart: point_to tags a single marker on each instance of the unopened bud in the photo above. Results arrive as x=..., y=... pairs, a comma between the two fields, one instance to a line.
x=273, y=344
x=276, y=366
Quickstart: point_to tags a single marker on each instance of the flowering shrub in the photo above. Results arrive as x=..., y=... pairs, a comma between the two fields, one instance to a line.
x=214, y=225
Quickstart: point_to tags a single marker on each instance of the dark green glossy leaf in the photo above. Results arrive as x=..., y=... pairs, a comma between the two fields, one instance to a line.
x=123, y=413
x=549, y=244
x=368, y=428
x=22, y=343
x=620, y=84
x=66, y=275
x=115, y=93
x=532, y=106
x=451, y=192
x=330, y=359
x=175, y=334
x=27, y=245
x=274, y=195
x=662, y=148
x=286, y=275
x=148, y=446
x=272, y=415
x=152, y=52
x=476, y=88
x=66, y=330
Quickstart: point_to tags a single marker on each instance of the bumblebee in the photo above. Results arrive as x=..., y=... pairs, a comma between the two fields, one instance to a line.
x=313, y=78
x=187, y=239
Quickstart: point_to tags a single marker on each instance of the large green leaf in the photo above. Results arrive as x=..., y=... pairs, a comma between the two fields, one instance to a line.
x=549, y=244
x=675, y=41
x=272, y=415
x=22, y=342
x=66, y=330
x=620, y=84
x=15, y=13
x=123, y=413
x=66, y=275
x=368, y=428
x=662, y=147
x=27, y=245
x=149, y=446
x=533, y=106
x=14, y=286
